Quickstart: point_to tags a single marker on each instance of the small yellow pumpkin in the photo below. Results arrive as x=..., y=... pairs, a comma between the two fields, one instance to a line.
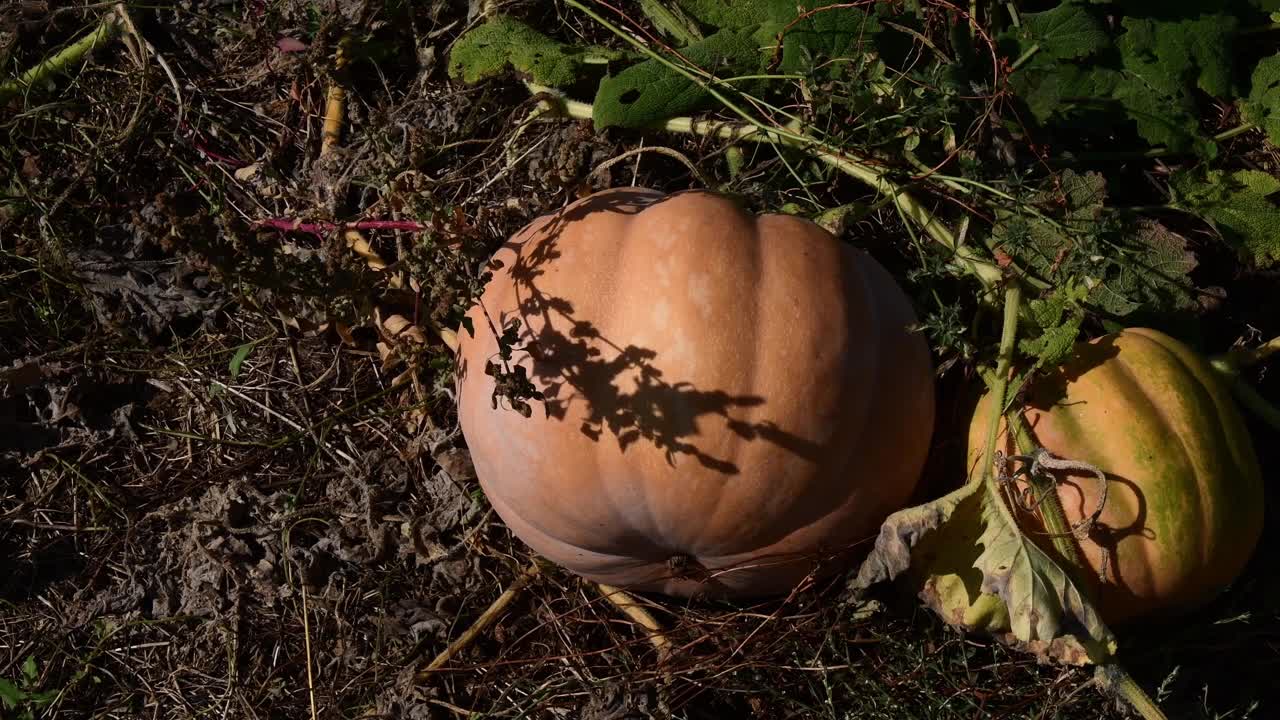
x=1184, y=503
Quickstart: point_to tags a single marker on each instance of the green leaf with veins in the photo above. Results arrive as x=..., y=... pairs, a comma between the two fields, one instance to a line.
x=650, y=92
x=1042, y=600
x=1059, y=316
x=1238, y=204
x=1262, y=107
x=1066, y=32
x=1149, y=269
x=503, y=42
x=828, y=35
x=1125, y=266
x=1161, y=64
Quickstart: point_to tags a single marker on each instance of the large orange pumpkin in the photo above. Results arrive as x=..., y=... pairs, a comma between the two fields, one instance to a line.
x=1184, y=505
x=726, y=397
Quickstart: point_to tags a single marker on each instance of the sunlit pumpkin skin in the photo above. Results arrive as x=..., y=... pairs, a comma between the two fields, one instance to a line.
x=1185, y=503
x=726, y=396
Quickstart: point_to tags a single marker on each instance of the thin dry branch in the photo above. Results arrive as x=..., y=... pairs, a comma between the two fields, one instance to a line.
x=640, y=616
x=678, y=156
x=482, y=623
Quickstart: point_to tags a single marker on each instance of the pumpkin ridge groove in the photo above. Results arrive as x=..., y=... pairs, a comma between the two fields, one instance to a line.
x=1218, y=441
x=759, y=269
x=1179, y=445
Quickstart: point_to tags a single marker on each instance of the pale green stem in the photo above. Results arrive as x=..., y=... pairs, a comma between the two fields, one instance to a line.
x=61, y=62
x=1238, y=130
x=1013, y=14
x=1229, y=365
x=986, y=272
x=1030, y=53
x=1004, y=360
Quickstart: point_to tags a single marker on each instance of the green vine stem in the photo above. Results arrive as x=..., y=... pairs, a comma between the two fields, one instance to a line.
x=999, y=382
x=973, y=263
x=969, y=260
x=60, y=63
x=1231, y=363
x=1237, y=359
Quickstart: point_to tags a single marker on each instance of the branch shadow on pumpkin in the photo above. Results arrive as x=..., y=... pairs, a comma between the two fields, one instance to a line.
x=625, y=392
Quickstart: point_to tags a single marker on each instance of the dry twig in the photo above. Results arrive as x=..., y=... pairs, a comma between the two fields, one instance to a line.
x=486, y=619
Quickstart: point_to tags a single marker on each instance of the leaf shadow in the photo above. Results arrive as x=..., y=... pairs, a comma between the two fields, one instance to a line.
x=620, y=384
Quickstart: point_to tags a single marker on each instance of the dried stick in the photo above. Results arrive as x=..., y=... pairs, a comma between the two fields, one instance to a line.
x=640, y=616
x=486, y=619
x=701, y=178
x=335, y=108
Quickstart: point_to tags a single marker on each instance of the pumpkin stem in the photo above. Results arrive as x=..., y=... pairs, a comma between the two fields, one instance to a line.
x=999, y=381
x=1236, y=359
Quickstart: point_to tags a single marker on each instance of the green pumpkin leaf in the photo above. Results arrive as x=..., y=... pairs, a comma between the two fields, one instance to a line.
x=734, y=14
x=1263, y=104
x=503, y=42
x=1066, y=32
x=1161, y=63
x=832, y=34
x=1239, y=205
x=1151, y=272
x=650, y=92
x=1126, y=266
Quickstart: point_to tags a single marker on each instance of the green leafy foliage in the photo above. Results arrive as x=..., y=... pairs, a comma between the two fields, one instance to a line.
x=24, y=694
x=1066, y=32
x=1262, y=107
x=833, y=33
x=503, y=42
x=1238, y=204
x=1076, y=74
x=1059, y=316
x=651, y=91
x=672, y=20
x=1149, y=271
x=729, y=14
x=1126, y=266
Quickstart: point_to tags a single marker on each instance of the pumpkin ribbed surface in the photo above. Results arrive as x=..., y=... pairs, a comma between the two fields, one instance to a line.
x=727, y=396
x=1184, y=506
